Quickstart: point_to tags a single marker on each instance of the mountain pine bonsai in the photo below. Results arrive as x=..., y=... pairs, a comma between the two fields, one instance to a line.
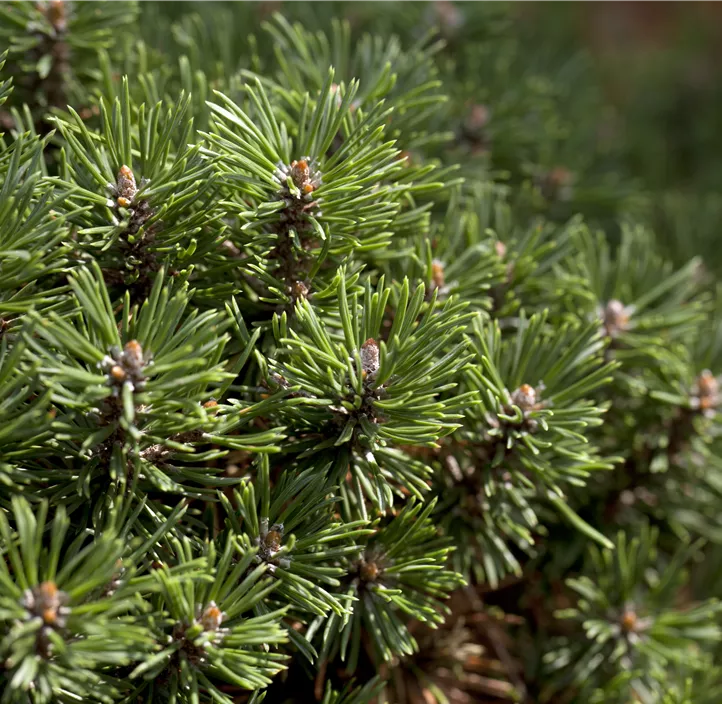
x=339, y=363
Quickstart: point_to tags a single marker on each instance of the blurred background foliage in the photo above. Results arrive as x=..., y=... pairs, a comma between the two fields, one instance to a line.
x=634, y=89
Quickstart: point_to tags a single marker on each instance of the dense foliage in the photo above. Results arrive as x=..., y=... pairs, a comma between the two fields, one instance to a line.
x=339, y=363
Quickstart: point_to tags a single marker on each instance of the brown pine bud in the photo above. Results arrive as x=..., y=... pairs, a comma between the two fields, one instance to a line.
x=708, y=386
x=46, y=601
x=55, y=13
x=478, y=118
x=524, y=397
x=615, y=317
x=117, y=373
x=133, y=353
x=125, y=186
x=298, y=290
x=370, y=357
x=212, y=617
x=629, y=621
x=300, y=173
x=369, y=571
x=437, y=273
x=273, y=540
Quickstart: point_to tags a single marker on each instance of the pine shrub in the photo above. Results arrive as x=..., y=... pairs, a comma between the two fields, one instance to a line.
x=339, y=363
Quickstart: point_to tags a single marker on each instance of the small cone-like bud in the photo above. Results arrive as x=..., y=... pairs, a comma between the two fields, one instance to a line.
x=212, y=617
x=126, y=186
x=437, y=273
x=524, y=397
x=370, y=357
